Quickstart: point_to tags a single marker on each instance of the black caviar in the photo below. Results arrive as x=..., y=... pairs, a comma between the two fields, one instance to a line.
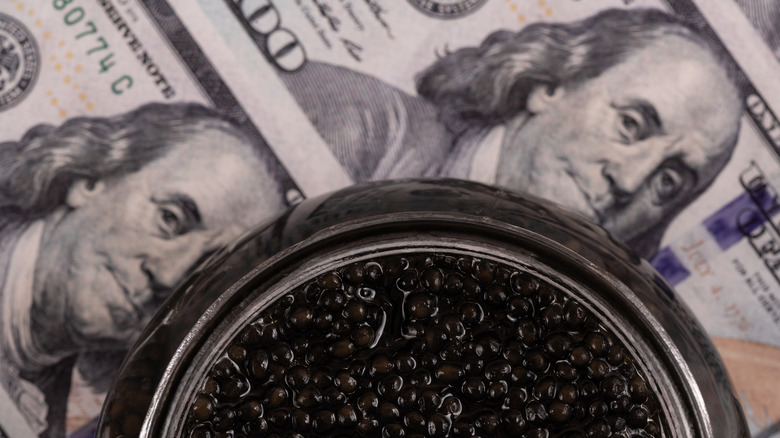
x=425, y=345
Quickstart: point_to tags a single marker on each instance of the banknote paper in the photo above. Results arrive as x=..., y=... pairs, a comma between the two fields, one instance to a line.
x=75, y=77
x=327, y=93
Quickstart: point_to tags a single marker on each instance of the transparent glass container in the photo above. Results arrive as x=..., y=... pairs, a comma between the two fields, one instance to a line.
x=441, y=230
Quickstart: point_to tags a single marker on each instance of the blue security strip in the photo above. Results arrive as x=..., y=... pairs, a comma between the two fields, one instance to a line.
x=722, y=224
x=669, y=266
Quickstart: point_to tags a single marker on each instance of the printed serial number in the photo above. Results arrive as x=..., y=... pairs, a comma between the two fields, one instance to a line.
x=97, y=46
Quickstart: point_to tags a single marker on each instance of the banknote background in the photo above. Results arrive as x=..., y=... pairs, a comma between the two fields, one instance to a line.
x=184, y=51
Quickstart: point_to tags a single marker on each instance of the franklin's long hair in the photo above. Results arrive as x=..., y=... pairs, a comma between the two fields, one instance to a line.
x=490, y=83
x=37, y=171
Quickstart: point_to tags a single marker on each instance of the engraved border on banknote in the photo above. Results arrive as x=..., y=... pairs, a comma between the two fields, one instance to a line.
x=218, y=92
x=447, y=9
x=19, y=58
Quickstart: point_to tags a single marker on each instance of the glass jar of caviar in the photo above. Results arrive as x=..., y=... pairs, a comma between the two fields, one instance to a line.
x=424, y=308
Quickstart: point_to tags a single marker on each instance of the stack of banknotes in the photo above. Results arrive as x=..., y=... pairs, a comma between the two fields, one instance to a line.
x=139, y=136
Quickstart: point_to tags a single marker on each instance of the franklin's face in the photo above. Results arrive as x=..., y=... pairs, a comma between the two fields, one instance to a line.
x=105, y=263
x=630, y=147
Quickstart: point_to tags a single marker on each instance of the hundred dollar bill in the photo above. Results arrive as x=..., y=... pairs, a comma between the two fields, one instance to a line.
x=652, y=118
x=728, y=265
x=124, y=160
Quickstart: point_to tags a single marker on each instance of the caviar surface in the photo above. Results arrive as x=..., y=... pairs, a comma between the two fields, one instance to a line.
x=431, y=345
